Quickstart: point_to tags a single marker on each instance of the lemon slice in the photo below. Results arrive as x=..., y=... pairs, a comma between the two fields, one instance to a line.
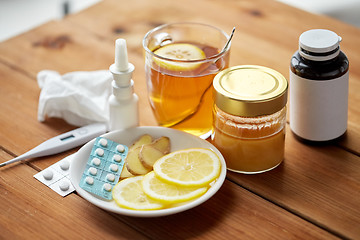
x=128, y=193
x=189, y=167
x=179, y=51
x=169, y=193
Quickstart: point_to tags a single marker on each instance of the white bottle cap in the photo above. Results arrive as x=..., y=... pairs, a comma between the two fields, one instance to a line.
x=122, y=70
x=319, y=44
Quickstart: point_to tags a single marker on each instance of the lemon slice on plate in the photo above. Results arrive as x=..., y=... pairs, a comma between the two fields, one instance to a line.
x=128, y=193
x=169, y=193
x=182, y=52
x=193, y=167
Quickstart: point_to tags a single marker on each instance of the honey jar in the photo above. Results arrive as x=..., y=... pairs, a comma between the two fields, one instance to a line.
x=249, y=117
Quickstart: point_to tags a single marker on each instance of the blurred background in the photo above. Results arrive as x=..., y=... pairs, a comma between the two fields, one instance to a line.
x=18, y=16
x=345, y=10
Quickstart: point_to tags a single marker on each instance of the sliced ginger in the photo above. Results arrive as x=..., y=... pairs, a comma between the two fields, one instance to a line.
x=144, y=139
x=125, y=173
x=162, y=144
x=133, y=163
x=149, y=155
x=144, y=153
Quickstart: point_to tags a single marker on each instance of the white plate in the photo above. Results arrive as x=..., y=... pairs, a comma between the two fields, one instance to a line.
x=179, y=140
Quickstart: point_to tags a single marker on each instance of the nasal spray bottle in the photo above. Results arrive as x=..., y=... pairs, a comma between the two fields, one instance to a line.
x=123, y=103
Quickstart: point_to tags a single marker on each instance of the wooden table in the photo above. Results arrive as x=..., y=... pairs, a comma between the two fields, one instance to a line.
x=314, y=194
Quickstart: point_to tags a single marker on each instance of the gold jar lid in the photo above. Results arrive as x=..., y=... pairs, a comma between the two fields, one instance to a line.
x=250, y=90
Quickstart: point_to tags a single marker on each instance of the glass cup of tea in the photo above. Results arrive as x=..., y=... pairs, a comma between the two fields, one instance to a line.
x=181, y=60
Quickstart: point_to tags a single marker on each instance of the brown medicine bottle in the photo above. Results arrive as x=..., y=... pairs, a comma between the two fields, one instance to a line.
x=318, y=92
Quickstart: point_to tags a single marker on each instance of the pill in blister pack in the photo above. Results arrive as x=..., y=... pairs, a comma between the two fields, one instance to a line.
x=103, y=168
x=56, y=177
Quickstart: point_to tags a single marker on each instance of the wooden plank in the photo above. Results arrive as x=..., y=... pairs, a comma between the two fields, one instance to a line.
x=20, y=130
x=30, y=210
x=233, y=213
x=232, y=210
x=319, y=183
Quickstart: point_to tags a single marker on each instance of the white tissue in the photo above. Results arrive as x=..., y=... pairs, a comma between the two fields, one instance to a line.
x=80, y=98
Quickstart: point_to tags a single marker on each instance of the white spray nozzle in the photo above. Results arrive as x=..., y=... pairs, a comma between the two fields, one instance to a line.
x=121, y=70
x=121, y=57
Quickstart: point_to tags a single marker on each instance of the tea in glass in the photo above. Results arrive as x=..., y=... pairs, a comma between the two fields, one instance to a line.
x=181, y=61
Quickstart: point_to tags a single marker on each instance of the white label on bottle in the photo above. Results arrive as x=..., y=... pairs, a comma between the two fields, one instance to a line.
x=318, y=108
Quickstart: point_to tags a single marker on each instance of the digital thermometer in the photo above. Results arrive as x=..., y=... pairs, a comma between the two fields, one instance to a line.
x=62, y=142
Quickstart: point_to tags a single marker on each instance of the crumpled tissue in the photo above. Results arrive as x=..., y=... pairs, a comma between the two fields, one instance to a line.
x=80, y=98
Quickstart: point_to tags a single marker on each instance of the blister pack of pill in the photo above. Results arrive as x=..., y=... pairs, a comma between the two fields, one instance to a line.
x=103, y=168
x=57, y=177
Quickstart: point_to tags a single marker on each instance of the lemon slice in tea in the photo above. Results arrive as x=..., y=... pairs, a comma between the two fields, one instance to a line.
x=182, y=52
x=128, y=193
x=193, y=167
x=169, y=193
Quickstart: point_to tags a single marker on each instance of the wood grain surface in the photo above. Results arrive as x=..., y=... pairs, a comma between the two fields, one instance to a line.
x=313, y=194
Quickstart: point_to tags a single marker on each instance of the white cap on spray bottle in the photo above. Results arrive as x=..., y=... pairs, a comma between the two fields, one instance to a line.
x=121, y=70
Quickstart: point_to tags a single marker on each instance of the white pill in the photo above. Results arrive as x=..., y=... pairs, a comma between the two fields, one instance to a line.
x=89, y=180
x=117, y=158
x=99, y=152
x=114, y=167
x=96, y=161
x=65, y=165
x=103, y=142
x=110, y=177
x=120, y=148
x=64, y=185
x=93, y=171
x=48, y=174
x=107, y=187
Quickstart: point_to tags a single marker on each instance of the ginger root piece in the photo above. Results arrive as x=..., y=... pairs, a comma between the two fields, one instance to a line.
x=143, y=154
x=133, y=163
x=162, y=144
x=149, y=155
x=144, y=139
x=125, y=173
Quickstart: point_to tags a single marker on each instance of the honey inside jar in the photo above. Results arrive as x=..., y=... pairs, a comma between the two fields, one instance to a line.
x=250, y=118
x=250, y=145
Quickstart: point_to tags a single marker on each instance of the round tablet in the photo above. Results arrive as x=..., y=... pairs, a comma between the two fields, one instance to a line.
x=89, y=180
x=114, y=167
x=96, y=161
x=48, y=174
x=110, y=177
x=65, y=165
x=99, y=152
x=103, y=142
x=117, y=158
x=120, y=148
x=107, y=187
x=64, y=185
x=93, y=171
